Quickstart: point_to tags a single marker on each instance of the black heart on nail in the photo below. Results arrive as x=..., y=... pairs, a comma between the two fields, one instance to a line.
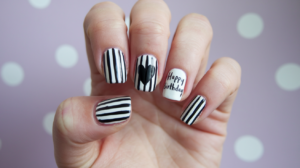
x=145, y=75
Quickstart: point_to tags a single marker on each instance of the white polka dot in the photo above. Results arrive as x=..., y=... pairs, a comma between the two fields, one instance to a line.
x=66, y=56
x=250, y=25
x=12, y=74
x=288, y=76
x=48, y=122
x=248, y=148
x=127, y=22
x=87, y=88
x=40, y=4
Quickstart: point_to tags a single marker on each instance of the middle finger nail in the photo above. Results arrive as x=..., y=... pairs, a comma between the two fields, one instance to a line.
x=145, y=73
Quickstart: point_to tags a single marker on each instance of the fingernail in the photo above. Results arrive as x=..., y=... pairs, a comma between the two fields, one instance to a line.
x=174, y=85
x=114, y=66
x=145, y=73
x=193, y=110
x=114, y=110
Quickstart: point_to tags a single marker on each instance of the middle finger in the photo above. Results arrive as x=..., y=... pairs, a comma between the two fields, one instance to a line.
x=149, y=33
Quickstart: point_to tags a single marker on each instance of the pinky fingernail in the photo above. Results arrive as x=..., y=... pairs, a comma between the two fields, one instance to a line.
x=193, y=110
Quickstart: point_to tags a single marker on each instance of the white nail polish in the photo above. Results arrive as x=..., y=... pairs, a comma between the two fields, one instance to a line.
x=174, y=85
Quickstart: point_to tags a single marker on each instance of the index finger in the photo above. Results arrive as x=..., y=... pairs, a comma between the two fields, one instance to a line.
x=107, y=43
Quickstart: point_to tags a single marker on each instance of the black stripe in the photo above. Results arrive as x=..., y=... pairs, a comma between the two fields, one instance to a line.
x=108, y=64
x=112, y=120
x=188, y=110
x=115, y=65
x=197, y=115
x=141, y=61
x=155, y=76
x=150, y=84
x=147, y=69
x=114, y=113
x=125, y=72
x=104, y=67
x=121, y=66
x=194, y=112
x=113, y=107
x=112, y=100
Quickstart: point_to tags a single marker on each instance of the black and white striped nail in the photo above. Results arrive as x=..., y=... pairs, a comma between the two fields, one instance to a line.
x=114, y=66
x=145, y=73
x=114, y=110
x=193, y=110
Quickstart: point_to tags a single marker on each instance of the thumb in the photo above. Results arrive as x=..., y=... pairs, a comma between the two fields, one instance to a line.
x=81, y=122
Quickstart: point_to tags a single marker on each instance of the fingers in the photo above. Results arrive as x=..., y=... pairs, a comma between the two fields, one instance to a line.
x=216, y=90
x=82, y=120
x=107, y=43
x=188, y=56
x=149, y=33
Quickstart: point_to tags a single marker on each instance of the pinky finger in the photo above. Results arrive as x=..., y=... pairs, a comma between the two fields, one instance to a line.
x=216, y=90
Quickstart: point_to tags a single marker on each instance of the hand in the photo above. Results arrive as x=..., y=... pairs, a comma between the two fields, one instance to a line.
x=154, y=135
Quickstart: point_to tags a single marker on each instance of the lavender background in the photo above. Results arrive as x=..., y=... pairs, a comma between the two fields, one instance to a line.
x=31, y=36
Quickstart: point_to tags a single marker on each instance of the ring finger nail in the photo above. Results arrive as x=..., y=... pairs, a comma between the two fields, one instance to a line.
x=145, y=73
x=193, y=110
x=174, y=85
x=114, y=110
x=114, y=66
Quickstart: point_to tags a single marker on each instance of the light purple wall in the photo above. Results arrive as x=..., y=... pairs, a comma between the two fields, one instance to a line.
x=30, y=37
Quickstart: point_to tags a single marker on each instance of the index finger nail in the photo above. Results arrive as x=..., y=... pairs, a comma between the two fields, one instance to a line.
x=114, y=66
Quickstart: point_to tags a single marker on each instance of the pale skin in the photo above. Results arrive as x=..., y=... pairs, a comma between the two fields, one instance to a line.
x=154, y=136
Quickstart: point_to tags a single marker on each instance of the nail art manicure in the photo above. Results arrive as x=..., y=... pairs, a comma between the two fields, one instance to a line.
x=145, y=73
x=114, y=110
x=193, y=110
x=175, y=83
x=114, y=66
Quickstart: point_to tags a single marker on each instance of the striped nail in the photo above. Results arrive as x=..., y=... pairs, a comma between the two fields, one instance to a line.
x=114, y=66
x=193, y=110
x=145, y=73
x=114, y=110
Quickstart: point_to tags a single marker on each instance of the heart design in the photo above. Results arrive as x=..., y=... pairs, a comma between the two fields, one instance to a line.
x=145, y=75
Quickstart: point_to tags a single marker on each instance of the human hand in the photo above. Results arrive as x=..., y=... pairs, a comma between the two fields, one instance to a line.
x=154, y=135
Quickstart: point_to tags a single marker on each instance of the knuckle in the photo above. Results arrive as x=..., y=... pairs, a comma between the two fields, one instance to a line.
x=103, y=15
x=198, y=23
x=231, y=71
x=63, y=119
x=102, y=25
x=149, y=28
x=224, y=80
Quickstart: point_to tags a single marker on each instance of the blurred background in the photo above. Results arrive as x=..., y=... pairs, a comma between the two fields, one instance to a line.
x=43, y=61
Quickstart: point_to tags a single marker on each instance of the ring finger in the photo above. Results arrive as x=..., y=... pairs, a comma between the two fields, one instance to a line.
x=188, y=57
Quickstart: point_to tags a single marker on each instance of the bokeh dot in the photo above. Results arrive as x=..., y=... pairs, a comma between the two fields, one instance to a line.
x=87, y=88
x=66, y=56
x=248, y=148
x=288, y=76
x=12, y=74
x=48, y=122
x=250, y=25
x=40, y=4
